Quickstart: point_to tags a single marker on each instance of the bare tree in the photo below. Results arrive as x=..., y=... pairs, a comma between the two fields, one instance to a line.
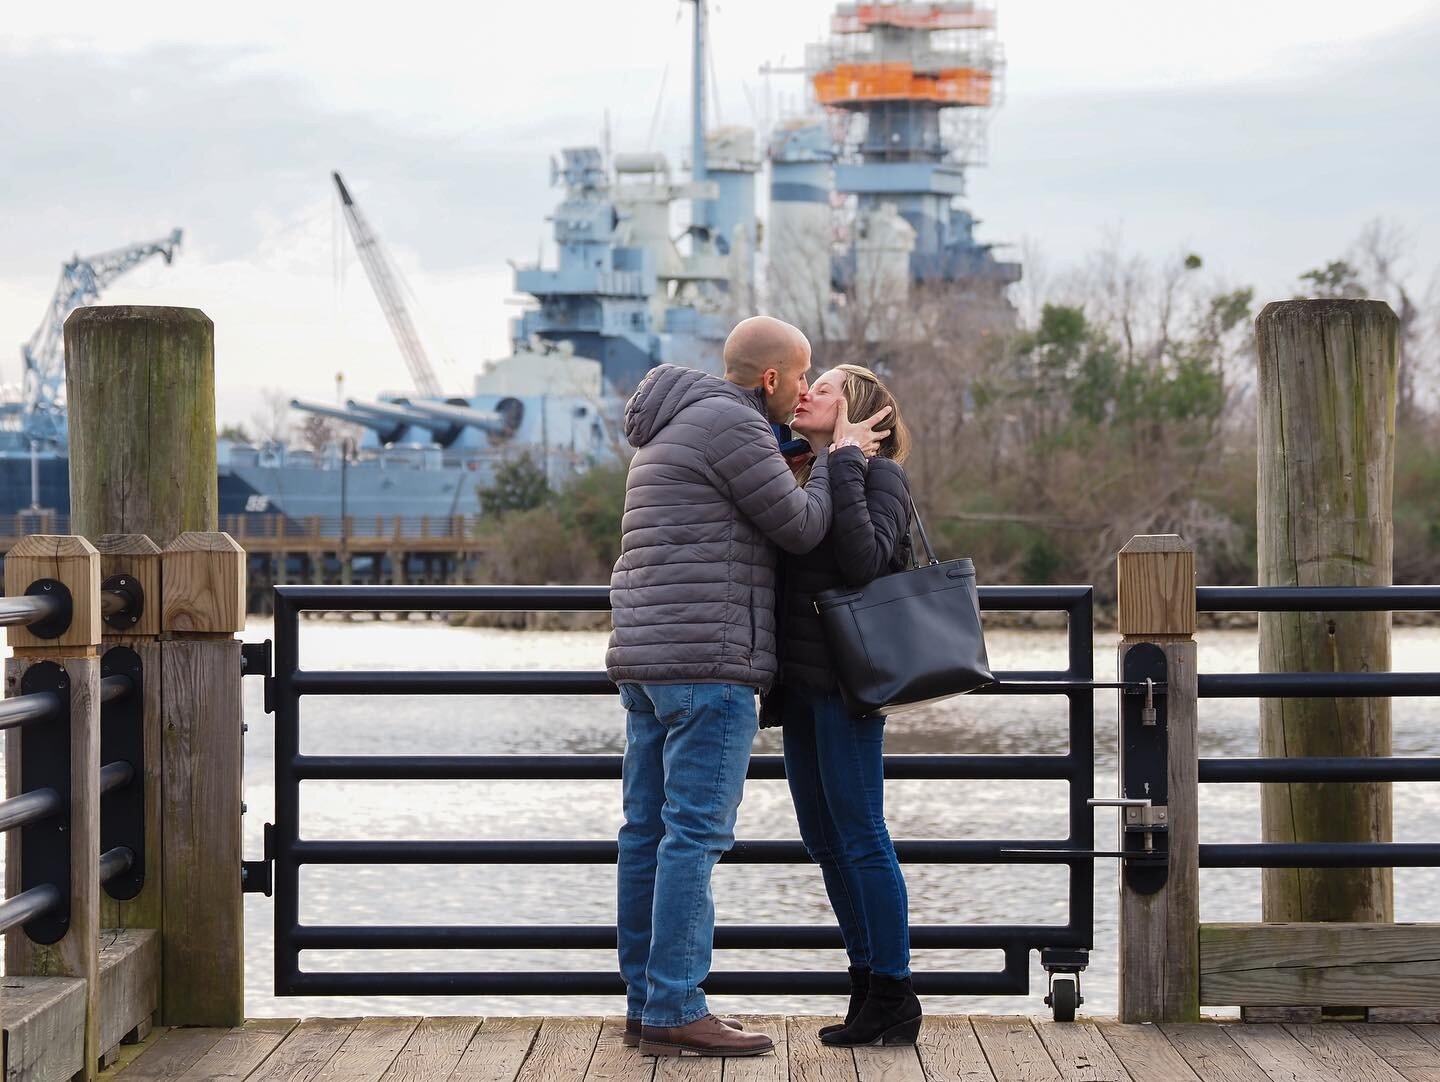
x=271, y=423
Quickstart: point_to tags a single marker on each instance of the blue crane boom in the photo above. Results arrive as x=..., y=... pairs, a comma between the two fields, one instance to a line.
x=81, y=281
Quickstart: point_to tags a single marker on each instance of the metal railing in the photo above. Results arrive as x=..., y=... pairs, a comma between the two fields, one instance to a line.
x=1318, y=685
x=1064, y=947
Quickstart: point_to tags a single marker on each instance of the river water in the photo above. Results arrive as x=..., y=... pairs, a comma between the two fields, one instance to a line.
x=748, y=894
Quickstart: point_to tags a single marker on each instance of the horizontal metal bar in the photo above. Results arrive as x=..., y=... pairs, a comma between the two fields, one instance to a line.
x=1319, y=685
x=607, y=767
x=604, y=983
x=1317, y=598
x=1322, y=768
x=1321, y=855
x=1027, y=851
x=602, y=937
x=115, y=687
x=542, y=682
x=586, y=598
x=23, y=908
x=115, y=862
x=28, y=609
x=115, y=776
x=29, y=808
x=24, y=709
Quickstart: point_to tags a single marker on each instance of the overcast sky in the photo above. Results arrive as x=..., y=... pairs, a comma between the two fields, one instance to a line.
x=1261, y=133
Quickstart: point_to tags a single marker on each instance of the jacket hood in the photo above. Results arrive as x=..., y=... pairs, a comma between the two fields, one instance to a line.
x=665, y=391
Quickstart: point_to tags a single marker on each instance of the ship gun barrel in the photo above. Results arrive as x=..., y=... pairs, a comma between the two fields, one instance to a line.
x=387, y=429
x=404, y=413
x=501, y=422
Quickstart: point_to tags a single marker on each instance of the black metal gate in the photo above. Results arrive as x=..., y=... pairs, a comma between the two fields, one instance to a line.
x=1064, y=948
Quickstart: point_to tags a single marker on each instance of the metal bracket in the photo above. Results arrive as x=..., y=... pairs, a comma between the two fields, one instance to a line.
x=1145, y=771
x=257, y=659
x=45, y=764
x=122, y=739
x=126, y=590
x=258, y=876
x=52, y=627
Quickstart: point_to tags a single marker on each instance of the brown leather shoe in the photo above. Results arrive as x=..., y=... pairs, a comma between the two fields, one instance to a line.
x=706, y=1036
x=632, y=1030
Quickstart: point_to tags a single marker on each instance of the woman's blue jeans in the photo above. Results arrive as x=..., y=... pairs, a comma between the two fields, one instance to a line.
x=837, y=780
x=687, y=747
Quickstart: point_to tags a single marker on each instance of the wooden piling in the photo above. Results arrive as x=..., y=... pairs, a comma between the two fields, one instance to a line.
x=74, y=562
x=1327, y=394
x=1159, y=932
x=140, y=382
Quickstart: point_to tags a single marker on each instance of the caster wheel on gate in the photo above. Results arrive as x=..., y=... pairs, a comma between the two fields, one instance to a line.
x=1064, y=997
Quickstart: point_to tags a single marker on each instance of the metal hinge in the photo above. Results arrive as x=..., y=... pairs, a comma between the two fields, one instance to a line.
x=258, y=876
x=256, y=659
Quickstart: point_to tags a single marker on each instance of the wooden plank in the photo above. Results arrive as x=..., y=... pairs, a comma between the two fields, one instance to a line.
x=950, y=1052
x=497, y=1051
x=77, y=954
x=811, y=1061
x=1344, y=1053
x=1014, y=1050
x=1390, y=965
x=240, y=1050
x=614, y=1062
x=772, y=1068
x=369, y=1050
x=300, y=1055
x=44, y=1027
x=897, y=1063
x=146, y=909
x=1146, y=1053
x=689, y=1068
x=1080, y=1053
x=1403, y=1048
x=1208, y=1049
x=172, y=1054
x=129, y=981
x=562, y=1050
x=203, y=982
x=1273, y=1054
x=433, y=1050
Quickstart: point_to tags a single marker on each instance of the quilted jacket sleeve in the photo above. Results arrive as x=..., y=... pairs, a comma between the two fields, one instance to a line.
x=750, y=471
x=872, y=513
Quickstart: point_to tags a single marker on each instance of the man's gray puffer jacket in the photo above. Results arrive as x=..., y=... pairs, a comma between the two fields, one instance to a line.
x=707, y=499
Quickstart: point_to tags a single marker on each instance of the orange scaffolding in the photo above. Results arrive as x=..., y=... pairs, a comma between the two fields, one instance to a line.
x=858, y=18
x=855, y=84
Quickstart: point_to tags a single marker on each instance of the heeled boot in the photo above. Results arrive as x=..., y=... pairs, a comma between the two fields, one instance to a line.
x=890, y=1015
x=859, y=988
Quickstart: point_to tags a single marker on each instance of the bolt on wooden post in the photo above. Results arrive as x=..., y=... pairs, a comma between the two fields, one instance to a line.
x=73, y=562
x=1159, y=932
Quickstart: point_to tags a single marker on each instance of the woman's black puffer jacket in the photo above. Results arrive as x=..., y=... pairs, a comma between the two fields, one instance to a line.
x=869, y=537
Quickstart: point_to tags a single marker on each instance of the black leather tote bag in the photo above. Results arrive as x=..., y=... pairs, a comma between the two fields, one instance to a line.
x=908, y=637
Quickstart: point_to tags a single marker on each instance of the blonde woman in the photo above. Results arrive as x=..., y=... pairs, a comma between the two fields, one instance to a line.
x=833, y=758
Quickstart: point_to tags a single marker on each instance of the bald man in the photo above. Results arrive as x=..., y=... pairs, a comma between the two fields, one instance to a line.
x=707, y=501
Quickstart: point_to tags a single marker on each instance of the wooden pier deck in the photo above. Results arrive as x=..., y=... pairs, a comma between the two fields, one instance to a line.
x=951, y=1049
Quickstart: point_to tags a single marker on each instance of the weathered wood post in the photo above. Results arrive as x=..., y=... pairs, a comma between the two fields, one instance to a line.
x=1159, y=931
x=141, y=388
x=74, y=562
x=1327, y=386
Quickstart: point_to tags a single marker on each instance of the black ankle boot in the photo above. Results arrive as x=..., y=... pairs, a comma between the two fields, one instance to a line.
x=859, y=988
x=889, y=1015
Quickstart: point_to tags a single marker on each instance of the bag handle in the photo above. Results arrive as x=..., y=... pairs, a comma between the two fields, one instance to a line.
x=924, y=538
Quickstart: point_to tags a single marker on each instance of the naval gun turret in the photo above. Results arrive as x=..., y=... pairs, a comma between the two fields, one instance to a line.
x=501, y=422
x=445, y=421
x=387, y=430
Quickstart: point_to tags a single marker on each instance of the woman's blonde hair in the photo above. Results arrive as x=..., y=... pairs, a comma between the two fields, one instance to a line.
x=865, y=395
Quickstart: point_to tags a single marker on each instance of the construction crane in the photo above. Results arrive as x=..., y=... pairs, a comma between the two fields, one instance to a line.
x=81, y=281
x=382, y=280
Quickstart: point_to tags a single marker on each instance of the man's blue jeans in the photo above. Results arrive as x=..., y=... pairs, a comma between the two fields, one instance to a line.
x=687, y=747
x=834, y=764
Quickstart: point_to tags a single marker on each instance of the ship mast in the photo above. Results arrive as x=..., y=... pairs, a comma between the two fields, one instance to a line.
x=700, y=212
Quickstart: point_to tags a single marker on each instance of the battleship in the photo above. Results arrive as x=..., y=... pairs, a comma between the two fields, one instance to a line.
x=865, y=194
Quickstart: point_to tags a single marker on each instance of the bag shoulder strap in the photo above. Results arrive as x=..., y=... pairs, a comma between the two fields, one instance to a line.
x=924, y=538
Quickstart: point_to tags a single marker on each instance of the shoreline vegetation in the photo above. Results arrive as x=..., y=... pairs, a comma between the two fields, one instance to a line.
x=1111, y=400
